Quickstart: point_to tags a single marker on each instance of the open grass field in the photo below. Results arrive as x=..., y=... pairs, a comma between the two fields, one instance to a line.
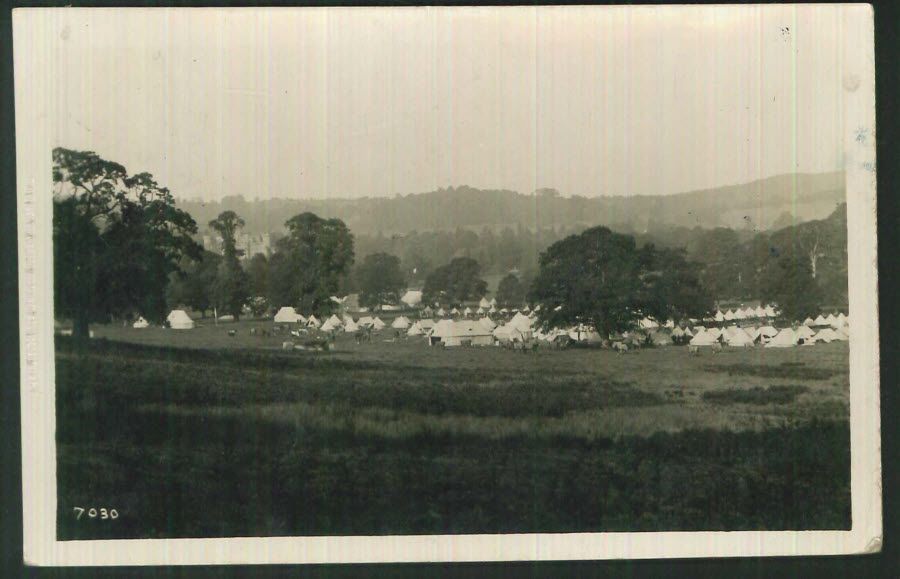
x=200, y=434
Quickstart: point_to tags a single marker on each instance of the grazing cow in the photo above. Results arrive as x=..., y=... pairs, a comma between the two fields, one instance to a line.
x=694, y=350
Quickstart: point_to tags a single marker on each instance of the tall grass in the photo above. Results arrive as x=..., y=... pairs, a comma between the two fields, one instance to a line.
x=192, y=443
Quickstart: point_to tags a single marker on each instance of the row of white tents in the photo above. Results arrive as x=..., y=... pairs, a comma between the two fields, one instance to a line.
x=768, y=336
x=745, y=314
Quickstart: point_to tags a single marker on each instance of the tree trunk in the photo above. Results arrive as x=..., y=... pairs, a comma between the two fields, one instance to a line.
x=80, y=327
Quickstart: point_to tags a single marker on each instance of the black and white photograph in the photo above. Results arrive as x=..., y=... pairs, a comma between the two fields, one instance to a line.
x=447, y=284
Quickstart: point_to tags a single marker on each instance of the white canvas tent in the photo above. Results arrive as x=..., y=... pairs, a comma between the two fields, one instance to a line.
x=400, y=323
x=648, y=324
x=830, y=320
x=786, y=338
x=487, y=323
x=808, y=322
x=329, y=326
x=805, y=332
x=820, y=321
x=720, y=317
x=286, y=315
x=365, y=321
x=770, y=312
x=441, y=312
x=415, y=330
x=467, y=312
x=729, y=315
x=351, y=326
x=826, y=335
x=760, y=312
x=179, y=320
x=739, y=339
x=377, y=324
x=484, y=303
x=739, y=314
x=313, y=322
x=703, y=338
x=454, y=312
x=336, y=321
x=749, y=312
x=141, y=323
x=412, y=298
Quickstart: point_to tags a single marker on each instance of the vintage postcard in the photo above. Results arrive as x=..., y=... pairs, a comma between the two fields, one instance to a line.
x=344, y=285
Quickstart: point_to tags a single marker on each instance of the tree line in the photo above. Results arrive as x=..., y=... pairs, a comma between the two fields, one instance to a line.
x=122, y=247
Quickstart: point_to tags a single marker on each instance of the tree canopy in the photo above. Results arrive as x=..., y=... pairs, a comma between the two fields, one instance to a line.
x=511, y=291
x=601, y=278
x=379, y=279
x=232, y=284
x=117, y=240
x=310, y=262
x=458, y=281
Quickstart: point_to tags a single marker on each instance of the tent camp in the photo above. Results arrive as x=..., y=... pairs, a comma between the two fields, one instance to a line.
x=329, y=326
x=770, y=312
x=313, y=322
x=179, y=320
x=729, y=315
x=484, y=303
x=826, y=335
x=720, y=317
x=750, y=313
x=786, y=338
x=454, y=312
x=412, y=298
x=739, y=314
x=365, y=321
x=347, y=318
x=377, y=324
x=831, y=320
x=715, y=333
x=739, y=339
x=467, y=312
x=141, y=323
x=400, y=323
x=677, y=332
x=808, y=322
x=842, y=333
x=427, y=312
x=480, y=311
x=441, y=313
x=703, y=338
x=760, y=312
x=658, y=338
x=487, y=323
x=415, y=330
x=820, y=321
x=648, y=324
x=462, y=333
x=805, y=332
x=351, y=326
x=426, y=325
x=493, y=302
x=336, y=321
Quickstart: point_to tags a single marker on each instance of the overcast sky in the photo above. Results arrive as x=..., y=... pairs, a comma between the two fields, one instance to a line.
x=350, y=103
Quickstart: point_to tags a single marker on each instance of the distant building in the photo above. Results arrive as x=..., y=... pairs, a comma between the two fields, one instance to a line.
x=250, y=244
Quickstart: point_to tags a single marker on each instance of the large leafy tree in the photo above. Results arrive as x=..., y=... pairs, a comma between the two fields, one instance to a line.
x=790, y=284
x=601, y=278
x=118, y=238
x=456, y=282
x=195, y=288
x=510, y=292
x=380, y=279
x=310, y=262
x=231, y=279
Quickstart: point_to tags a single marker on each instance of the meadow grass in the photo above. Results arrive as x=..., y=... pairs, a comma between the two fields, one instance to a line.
x=187, y=437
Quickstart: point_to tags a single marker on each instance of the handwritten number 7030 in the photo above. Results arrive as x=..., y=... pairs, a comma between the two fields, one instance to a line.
x=92, y=513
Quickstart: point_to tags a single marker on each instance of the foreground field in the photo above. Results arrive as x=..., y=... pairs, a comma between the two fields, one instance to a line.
x=197, y=433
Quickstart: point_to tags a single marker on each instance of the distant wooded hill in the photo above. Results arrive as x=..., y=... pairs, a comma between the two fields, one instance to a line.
x=770, y=203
